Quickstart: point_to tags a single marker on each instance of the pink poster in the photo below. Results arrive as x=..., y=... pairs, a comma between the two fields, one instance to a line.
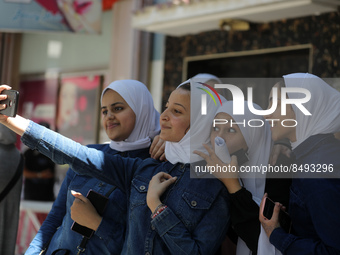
x=78, y=108
x=38, y=100
x=77, y=16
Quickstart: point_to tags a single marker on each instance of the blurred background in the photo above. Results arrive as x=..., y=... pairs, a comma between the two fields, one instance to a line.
x=60, y=54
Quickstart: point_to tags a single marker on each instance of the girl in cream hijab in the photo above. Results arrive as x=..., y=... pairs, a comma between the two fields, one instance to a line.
x=315, y=190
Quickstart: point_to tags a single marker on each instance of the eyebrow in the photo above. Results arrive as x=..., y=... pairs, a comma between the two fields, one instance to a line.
x=180, y=105
x=111, y=105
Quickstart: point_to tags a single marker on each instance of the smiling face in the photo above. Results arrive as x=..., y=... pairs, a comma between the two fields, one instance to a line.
x=118, y=118
x=231, y=134
x=175, y=120
x=278, y=130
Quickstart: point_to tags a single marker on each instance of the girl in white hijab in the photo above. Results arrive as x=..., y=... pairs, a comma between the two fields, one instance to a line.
x=245, y=196
x=315, y=191
x=131, y=122
x=138, y=97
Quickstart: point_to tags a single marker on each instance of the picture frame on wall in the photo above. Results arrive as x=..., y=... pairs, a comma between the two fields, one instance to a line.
x=38, y=98
x=78, y=106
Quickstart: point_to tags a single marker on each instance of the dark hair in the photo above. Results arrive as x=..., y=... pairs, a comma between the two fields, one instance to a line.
x=186, y=86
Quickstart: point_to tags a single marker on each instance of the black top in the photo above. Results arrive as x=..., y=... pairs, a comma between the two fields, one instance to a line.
x=245, y=212
x=38, y=189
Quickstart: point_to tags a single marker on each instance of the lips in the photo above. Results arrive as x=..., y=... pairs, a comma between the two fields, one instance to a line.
x=164, y=127
x=112, y=125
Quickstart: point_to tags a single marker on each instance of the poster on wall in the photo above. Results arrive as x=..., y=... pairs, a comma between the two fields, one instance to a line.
x=38, y=99
x=78, y=107
x=74, y=16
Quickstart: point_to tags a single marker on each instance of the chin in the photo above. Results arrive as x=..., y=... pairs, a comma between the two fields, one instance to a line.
x=163, y=135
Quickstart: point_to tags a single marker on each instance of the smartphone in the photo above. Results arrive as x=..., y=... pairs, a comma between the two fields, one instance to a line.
x=99, y=202
x=284, y=218
x=242, y=156
x=11, y=102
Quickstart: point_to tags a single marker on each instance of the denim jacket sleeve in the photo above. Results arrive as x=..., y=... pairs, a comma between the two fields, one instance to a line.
x=112, y=169
x=52, y=222
x=206, y=237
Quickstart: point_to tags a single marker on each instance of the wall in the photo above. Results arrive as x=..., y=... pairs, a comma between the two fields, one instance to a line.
x=79, y=51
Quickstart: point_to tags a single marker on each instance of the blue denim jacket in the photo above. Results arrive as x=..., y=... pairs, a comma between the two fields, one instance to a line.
x=197, y=217
x=314, y=203
x=110, y=235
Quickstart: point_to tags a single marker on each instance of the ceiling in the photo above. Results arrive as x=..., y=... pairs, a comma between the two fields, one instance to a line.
x=183, y=17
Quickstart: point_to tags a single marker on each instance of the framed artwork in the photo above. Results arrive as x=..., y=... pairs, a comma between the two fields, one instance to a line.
x=38, y=98
x=78, y=108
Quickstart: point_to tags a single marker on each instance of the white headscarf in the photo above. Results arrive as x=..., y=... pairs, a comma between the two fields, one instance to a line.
x=138, y=97
x=204, y=77
x=324, y=106
x=200, y=127
x=259, y=144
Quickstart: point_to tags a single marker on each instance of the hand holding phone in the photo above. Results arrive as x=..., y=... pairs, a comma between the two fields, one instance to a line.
x=11, y=103
x=242, y=156
x=99, y=202
x=284, y=218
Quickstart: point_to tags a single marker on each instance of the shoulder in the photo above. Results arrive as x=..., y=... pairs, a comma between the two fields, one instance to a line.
x=141, y=153
x=102, y=146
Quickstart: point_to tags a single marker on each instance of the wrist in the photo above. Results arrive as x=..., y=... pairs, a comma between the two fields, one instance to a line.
x=154, y=204
x=159, y=209
x=232, y=184
x=96, y=223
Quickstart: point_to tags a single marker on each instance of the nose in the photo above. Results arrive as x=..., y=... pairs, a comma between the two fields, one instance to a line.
x=110, y=115
x=164, y=115
x=220, y=133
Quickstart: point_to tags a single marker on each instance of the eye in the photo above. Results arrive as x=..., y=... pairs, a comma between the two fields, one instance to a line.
x=104, y=112
x=216, y=129
x=232, y=130
x=177, y=111
x=118, y=108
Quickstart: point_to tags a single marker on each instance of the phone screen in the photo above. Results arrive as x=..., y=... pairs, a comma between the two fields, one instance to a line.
x=99, y=202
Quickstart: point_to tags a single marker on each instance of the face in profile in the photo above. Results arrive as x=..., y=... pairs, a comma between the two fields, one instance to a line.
x=175, y=120
x=230, y=132
x=279, y=129
x=118, y=119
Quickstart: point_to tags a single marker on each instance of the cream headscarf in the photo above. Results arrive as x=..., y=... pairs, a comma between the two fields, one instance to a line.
x=138, y=97
x=200, y=126
x=324, y=106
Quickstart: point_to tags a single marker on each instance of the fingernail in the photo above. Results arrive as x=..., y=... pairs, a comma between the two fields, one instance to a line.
x=73, y=192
